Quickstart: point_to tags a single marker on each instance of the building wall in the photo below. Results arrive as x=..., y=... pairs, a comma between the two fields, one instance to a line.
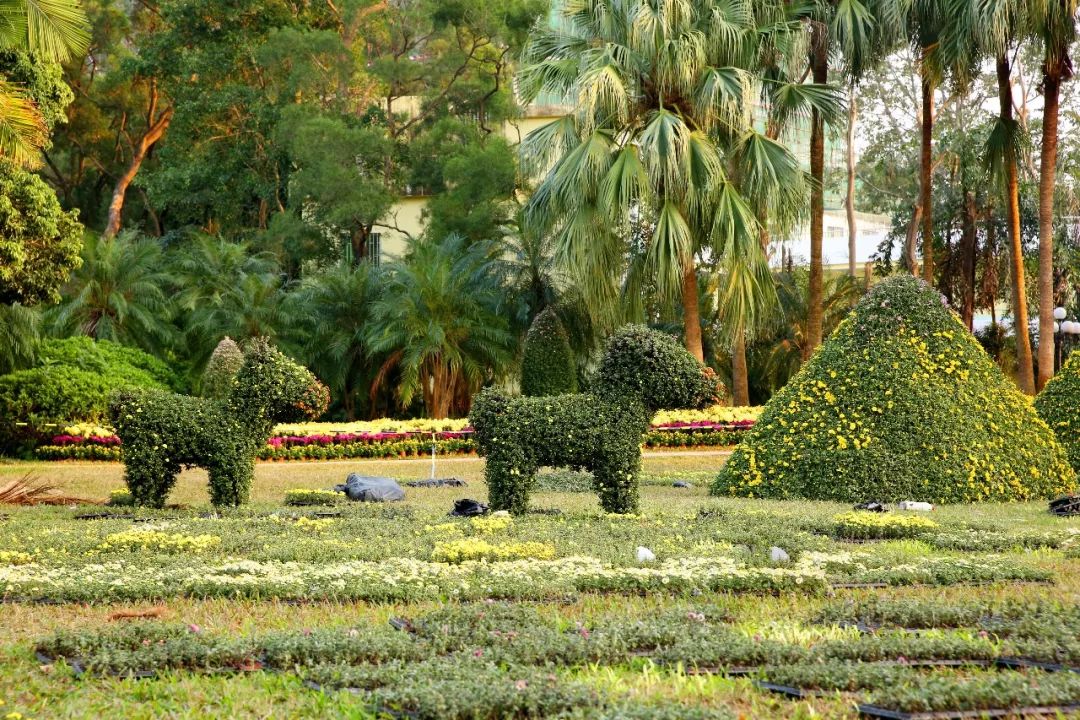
x=406, y=217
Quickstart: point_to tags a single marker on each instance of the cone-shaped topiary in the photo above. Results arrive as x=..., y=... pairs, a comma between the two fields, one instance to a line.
x=547, y=367
x=1059, y=405
x=221, y=369
x=900, y=403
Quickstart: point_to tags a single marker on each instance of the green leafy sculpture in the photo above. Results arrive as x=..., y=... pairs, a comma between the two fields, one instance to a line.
x=901, y=403
x=642, y=371
x=1059, y=405
x=162, y=433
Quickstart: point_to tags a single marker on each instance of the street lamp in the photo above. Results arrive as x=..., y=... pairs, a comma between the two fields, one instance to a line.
x=1062, y=329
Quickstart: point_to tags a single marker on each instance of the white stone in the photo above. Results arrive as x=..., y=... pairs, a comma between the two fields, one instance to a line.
x=644, y=554
x=779, y=555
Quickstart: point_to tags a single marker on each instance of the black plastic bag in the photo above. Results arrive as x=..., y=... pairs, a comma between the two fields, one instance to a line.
x=469, y=508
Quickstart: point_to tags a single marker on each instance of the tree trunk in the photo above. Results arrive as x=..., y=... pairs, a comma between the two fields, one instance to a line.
x=740, y=380
x=1052, y=76
x=1025, y=371
x=154, y=131
x=926, y=179
x=819, y=65
x=691, y=312
x=852, y=230
x=909, y=241
x=969, y=250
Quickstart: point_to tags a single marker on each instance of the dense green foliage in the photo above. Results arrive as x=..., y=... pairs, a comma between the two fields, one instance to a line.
x=1059, y=406
x=39, y=241
x=900, y=403
x=642, y=371
x=547, y=365
x=71, y=382
x=163, y=432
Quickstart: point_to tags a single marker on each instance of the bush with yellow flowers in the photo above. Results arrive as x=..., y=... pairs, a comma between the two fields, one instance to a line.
x=1059, y=405
x=901, y=403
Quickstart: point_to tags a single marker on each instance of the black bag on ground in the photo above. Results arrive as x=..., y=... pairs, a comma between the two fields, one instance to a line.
x=468, y=508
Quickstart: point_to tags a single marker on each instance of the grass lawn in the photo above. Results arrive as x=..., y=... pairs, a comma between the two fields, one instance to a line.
x=550, y=614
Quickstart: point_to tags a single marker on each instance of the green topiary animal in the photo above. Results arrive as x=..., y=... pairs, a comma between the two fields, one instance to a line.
x=547, y=366
x=162, y=433
x=642, y=371
x=900, y=403
x=1059, y=405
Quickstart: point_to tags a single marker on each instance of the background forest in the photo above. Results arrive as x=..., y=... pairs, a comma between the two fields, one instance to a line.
x=213, y=168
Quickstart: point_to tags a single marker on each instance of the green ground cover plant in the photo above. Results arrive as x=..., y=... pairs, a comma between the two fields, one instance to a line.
x=901, y=403
x=293, y=594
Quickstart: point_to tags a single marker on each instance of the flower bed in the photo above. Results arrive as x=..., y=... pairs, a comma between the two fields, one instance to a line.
x=714, y=427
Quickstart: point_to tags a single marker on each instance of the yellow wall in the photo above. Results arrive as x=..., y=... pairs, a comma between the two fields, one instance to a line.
x=406, y=217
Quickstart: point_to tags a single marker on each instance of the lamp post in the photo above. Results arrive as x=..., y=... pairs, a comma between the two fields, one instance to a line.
x=1059, y=331
x=1063, y=329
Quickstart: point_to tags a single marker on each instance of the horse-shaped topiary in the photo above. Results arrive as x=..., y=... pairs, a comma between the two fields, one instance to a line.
x=162, y=433
x=641, y=371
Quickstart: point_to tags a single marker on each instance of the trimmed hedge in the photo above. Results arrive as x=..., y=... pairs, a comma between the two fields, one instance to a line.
x=547, y=367
x=642, y=371
x=1059, y=405
x=900, y=403
x=72, y=382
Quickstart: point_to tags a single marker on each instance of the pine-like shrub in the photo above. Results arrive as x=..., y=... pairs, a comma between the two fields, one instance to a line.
x=547, y=367
x=900, y=403
x=221, y=369
x=1059, y=405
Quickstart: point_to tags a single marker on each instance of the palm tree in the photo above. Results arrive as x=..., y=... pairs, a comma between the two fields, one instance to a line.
x=55, y=31
x=789, y=349
x=20, y=332
x=991, y=28
x=1057, y=27
x=118, y=293
x=664, y=120
x=441, y=321
x=925, y=27
x=333, y=308
x=862, y=31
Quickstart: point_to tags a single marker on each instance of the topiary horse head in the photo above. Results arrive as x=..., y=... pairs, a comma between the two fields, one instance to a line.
x=641, y=371
x=162, y=433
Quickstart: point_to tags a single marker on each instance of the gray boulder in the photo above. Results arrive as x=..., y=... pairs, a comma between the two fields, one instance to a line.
x=367, y=488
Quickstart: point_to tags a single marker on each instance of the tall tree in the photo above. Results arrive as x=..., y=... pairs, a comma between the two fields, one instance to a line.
x=861, y=32
x=1056, y=25
x=663, y=130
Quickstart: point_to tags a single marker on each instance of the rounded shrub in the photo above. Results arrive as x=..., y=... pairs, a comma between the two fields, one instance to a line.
x=1059, y=406
x=900, y=403
x=547, y=367
x=72, y=382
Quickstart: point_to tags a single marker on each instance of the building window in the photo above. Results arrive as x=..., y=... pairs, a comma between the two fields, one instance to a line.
x=374, y=249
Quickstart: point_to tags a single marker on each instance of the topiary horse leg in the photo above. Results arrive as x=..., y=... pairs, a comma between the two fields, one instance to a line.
x=615, y=477
x=509, y=479
x=149, y=478
x=230, y=482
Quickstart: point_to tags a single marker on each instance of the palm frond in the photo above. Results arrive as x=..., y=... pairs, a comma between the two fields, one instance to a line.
x=22, y=128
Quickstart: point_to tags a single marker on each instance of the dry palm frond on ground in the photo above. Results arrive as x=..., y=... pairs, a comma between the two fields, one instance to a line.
x=29, y=490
